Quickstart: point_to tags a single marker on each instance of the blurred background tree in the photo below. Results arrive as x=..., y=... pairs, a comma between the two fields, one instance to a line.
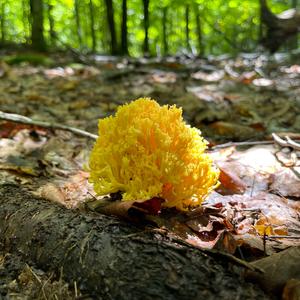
x=139, y=27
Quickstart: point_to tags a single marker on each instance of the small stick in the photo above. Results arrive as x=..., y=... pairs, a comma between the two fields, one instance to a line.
x=296, y=237
x=276, y=139
x=286, y=143
x=230, y=144
x=24, y=120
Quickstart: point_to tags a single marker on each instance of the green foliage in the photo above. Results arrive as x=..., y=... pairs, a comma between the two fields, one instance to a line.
x=32, y=58
x=227, y=26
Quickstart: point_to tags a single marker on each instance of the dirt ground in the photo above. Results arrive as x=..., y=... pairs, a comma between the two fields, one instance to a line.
x=229, y=99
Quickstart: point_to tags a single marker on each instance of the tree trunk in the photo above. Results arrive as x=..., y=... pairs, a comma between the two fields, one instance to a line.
x=146, y=27
x=78, y=25
x=51, y=24
x=279, y=27
x=92, y=24
x=2, y=22
x=261, y=25
x=294, y=39
x=26, y=19
x=294, y=3
x=164, y=26
x=111, y=259
x=124, y=33
x=112, y=27
x=199, y=32
x=187, y=30
x=37, y=25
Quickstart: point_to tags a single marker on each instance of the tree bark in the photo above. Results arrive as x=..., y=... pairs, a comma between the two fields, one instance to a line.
x=111, y=259
x=112, y=27
x=187, y=30
x=78, y=25
x=51, y=24
x=37, y=25
x=278, y=27
x=26, y=19
x=199, y=31
x=294, y=3
x=164, y=26
x=294, y=39
x=2, y=22
x=92, y=24
x=146, y=27
x=124, y=33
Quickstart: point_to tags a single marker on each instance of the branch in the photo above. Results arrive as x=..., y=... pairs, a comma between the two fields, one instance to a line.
x=276, y=140
x=25, y=120
x=286, y=143
x=236, y=144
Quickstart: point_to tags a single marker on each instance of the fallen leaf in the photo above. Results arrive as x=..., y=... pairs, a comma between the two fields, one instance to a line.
x=233, y=130
x=230, y=183
x=286, y=183
x=291, y=290
x=263, y=82
x=278, y=269
x=151, y=206
x=21, y=165
x=164, y=77
x=51, y=192
x=210, y=77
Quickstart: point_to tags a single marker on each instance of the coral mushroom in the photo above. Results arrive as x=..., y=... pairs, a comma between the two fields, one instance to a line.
x=147, y=150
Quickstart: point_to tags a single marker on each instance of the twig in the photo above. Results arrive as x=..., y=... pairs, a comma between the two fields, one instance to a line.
x=286, y=143
x=25, y=120
x=276, y=139
x=219, y=253
x=230, y=144
x=296, y=237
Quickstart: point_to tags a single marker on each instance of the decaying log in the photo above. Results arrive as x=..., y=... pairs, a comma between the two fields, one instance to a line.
x=112, y=259
x=280, y=27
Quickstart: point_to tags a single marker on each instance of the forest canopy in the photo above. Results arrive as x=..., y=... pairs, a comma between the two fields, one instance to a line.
x=137, y=27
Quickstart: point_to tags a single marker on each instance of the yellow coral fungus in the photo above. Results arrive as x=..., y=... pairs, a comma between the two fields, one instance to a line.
x=147, y=150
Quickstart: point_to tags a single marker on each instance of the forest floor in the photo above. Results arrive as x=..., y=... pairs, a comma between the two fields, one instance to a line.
x=255, y=212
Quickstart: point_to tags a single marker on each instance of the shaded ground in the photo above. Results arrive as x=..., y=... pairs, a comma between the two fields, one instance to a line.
x=240, y=99
x=226, y=98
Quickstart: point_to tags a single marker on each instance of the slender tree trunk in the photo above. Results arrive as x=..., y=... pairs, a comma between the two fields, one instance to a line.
x=187, y=30
x=51, y=24
x=37, y=25
x=294, y=39
x=260, y=26
x=164, y=26
x=2, y=22
x=78, y=26
x=112, y=27
x=92, y=24
x=26, y=20
x=146, y=26
x=199, y=32
x=124, y=31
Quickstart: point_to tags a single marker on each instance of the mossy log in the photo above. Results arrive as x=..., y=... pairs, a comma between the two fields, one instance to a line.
x=112, y=259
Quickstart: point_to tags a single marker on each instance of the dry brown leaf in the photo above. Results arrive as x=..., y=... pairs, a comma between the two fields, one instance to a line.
x=51, y=192
x=210, y=77
x=230, y=183
x=291, y=290
x=279, y=268
x=286, y=183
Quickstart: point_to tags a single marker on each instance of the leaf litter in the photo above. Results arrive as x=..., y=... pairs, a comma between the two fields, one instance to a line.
x=254, y=213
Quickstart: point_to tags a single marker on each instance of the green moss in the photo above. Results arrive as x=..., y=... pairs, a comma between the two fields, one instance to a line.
x=31, y=58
